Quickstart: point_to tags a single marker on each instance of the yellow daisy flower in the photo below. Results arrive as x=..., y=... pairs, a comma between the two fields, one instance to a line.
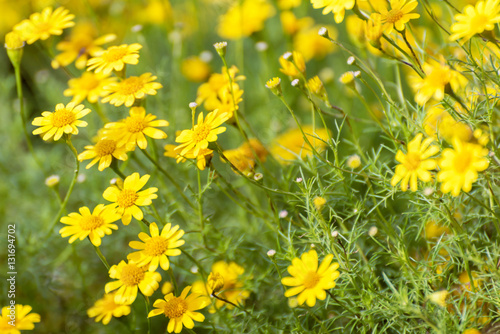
x=81, y=44
x=309, y=281
x=155, y=249
x=130, y=89
x=204, y=156
x=475, y=20
x=133, y=130
x=311, y=45
x=43, y=25
x=460, y=165
x=205, y=131
x=244, y=18
x=128, y=198
x=64, y=119
x=397, y=17
x=89, y=86
x=24, y=319
x=195, y=69
x=337, y=7
x=438, y=122
x=129, y=279
x=293, y=69
x=415, y=164
x=114, y=58
x=103, y=152
x=291, y=145
x=243, y=157
x=180, y=310
x=106, y=308
x=86, y=224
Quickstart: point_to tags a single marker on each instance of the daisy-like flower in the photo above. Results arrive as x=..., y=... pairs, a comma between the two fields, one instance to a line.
x=180, y=310
x=415, y=164
x=24, y=319
x=204, y=156
x=106, y=308
x=130, y=89
x=205, y=131
x=64, y=119
x=475, y=20
x=133, y=130
x=309, y=281
x=337, y=7
x=43, y=25
x=127, y=199
x=129, y=279
x=89, y=86
x=103, y=152
x=114, y=58
x=397, y=16
x=155, y=249
x=293, y=69
x=460, y=166
x=86, y=224
x=291, y=145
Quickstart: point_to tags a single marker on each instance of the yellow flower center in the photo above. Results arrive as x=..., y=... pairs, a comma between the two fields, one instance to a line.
x=114, y=54
x=311, y=280
x=127, y=198
x=134, y=124
x=201, y=132
x=131, y=86
x=89, y=223
x=105, y=147
x=175, y=308
x=462, y=162
x=394, y=16
x=412, y=161
x=62, y=117
x=131, y=275
x=156, y=246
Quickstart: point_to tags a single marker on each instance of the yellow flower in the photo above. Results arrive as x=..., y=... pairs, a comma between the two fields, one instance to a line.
x=311, y=45
x=397, y=17
x=438, y=122
x=274, y=85
x=215, y=282
x=471, y=331
x=43, y=25
x=354, y=161
x=128, y=198
x=319, y=202
x=245, y=157
x=81, y=44
x=155, y=249
x=195, y=69
x=460, y=165
x=130, y=89
x=337, y=7
x=129, y=279
x=291, y=24
x=13, y=41
x=310, y=281
x=89, y=86
x=316, y=87
x=103, y=152
x=106, y=308
x=64, y=120
x=204, y=132
x=288, y=4
x=434, y=231
x=244, y=18
x=114, y=58
x=439, y=297
x=133, y=130
x=24, y=319
x=291, y=145
x=295, y=68
x=86, y=224
x=204, y=156
x=373, y=30
x=415, y=164
x=475, y=20
x=180, y=310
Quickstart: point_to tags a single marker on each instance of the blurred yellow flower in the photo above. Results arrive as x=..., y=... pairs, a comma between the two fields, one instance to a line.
x=319, y=202
x=291, y=145
x=397, y=16
x=291, y=24
x=89, y=86
x=354, y=161
x=311, y=45
x=106, y=308
x=310, y=281
x=43, y=25
x=246, y=156
x=104, y=150
x=195, y=69
x=64, y=120
x=130, y=89
x=244, y=18
x=114, y=58
x=439, y=123
x=13, y=40
x=131, y=278
x=288, y=4
x=337, y=7
x=24, y=320
x=433, y=230
x=475, y=19
x=439, y=297
x=203, y=157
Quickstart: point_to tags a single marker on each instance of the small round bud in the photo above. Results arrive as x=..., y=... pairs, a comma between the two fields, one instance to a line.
x=283, y=214
x=271, y=253
x=193, y=105
x=319, y=202
x=287, y=56
x=295, y=82
x=335, y=234
x=351, y=60
x=215, y=282
x=220, y=47
x=52, y=181
x=274, y=85
x=323, y=32
x=194, y=270
x=354, y=161
x=136, y=28
x=81, y=178
x=206, y=56
x=261, y=46
x=258, y=176
x=428, y=191
x=299, y=179
x=373, y=231
x=166, y=288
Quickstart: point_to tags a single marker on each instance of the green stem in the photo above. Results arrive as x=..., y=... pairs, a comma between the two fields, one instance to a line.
x=200, y=209
x=101, y=256
x=146, y=300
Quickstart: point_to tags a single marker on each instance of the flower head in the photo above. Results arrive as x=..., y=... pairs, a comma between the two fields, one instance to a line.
x=103, y=152
x=114, y=58
x=195, y=69
x=128, y=198
x=415, y=164
x=180, y=310
x=354, y=161
x=106, y=308
x=203, y=157
x=24, y=319
x=133, y=130
x=43, y=25
x=295, y=68
x=156, y=248
x=475, y=20
x=310, y=281
x=130, y=89
x=244, y=18
x=65, y=119
x=291, y=145
x=397, y=16
x=86, y=224
x=460, y=166
x=438, y=297
x=337, y=7
x=129, y=279
x=89, y=86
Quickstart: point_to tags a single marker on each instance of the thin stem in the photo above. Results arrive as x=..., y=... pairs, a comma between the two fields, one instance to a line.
x=103, y=259
x=146, y=300
x=200, y=209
